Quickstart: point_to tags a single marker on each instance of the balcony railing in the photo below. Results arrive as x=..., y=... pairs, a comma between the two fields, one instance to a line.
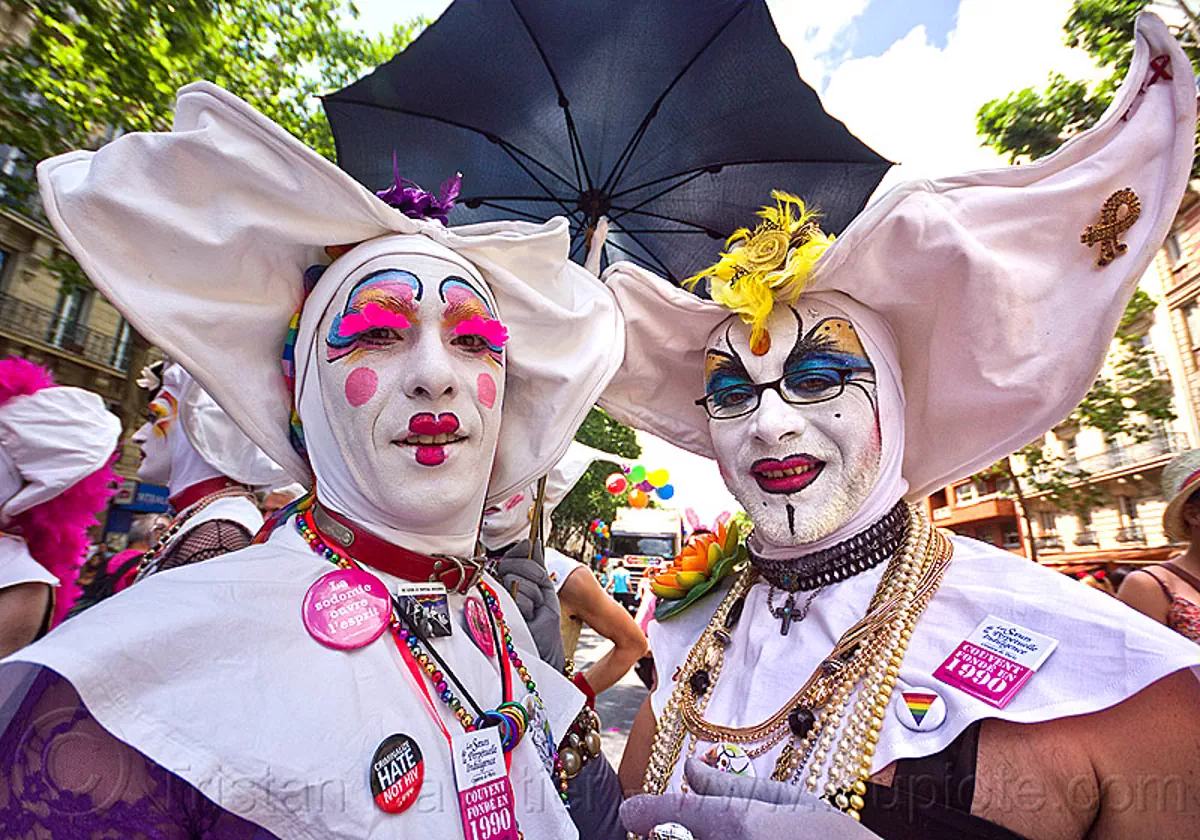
x=1131, y=534
x=48, y=327
x=1115, y=457
x=1086, y=538
x=1048, y=542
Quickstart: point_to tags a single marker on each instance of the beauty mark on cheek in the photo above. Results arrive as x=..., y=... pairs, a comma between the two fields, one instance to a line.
x=487, y=390
x=361, y=385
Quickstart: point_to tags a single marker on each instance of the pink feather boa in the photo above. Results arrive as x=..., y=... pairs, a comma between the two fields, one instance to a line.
x=56, y=531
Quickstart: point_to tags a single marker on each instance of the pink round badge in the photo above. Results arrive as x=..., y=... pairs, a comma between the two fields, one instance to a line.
x=347, y=609
x=478, y=625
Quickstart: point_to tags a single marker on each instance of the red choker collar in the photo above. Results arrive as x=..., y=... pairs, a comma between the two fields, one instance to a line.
x=341, y=534
x=193, y=493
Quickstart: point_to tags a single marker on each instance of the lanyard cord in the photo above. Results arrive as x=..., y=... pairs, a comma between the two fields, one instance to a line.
x=501, y=659
x=433, y=654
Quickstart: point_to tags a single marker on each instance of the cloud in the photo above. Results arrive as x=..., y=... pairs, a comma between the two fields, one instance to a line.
x=813, y=31
x=916, y=104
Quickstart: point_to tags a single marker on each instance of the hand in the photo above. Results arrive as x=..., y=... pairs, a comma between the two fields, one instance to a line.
x=529, y=585
x=722, y=806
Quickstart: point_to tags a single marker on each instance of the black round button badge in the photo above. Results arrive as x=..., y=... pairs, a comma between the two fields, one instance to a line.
x=397, y=772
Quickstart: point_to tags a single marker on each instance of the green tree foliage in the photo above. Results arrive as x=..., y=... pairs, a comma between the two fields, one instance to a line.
x=1132, y=398
x=1028, y=124
x=589, y=499
x=94, y=69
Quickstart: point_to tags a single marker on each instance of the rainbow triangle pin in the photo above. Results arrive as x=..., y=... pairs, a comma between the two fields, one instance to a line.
x=918, y=703
x=920, y=709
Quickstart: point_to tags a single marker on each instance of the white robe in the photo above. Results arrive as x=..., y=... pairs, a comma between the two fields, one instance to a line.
x=237, y=509
x=1106, y=651
x=207, y=669
x=18, y=566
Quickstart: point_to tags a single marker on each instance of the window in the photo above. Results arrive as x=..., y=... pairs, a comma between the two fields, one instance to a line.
x=938, y=499
x=1191, y=316
x=1128, y=509
x=1012, y=537
x=1173, y=249
x=120, y=353
x=8, y=159
x=64, y=328
x=964, y=494
x=1048, y=519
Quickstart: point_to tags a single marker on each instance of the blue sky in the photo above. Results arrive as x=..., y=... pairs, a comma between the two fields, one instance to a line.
x=884, y=22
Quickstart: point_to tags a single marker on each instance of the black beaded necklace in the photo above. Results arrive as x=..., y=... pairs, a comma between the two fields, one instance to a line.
x=863, y=551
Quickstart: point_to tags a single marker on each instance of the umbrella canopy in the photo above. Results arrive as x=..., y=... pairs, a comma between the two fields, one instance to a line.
x=672, y=118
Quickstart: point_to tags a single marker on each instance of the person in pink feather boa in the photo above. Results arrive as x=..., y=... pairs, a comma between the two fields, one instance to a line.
x=57, y=445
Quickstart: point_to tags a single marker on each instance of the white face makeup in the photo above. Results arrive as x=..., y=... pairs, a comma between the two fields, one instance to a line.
x=800, y=467
x=411, y=370
x=153, y=438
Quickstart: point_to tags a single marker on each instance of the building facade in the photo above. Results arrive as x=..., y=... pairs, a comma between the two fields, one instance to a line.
x=1120, y=525
x=71, y=329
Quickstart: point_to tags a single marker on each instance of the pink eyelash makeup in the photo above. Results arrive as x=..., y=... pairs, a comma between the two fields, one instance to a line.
x=493, y=332
x=373, y=315
x=468, y=313
x=385, y=300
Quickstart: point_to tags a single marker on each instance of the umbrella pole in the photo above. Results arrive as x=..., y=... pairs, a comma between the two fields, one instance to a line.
x=595, y=245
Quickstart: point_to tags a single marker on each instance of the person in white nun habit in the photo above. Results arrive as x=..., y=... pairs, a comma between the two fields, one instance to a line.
x=210, y=469
x=865, y=674
x=555, y=593
x=56, y=445
x=358, y=674
x=581, y=599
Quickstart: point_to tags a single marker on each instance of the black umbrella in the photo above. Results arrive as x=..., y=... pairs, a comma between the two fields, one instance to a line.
x=673, y=118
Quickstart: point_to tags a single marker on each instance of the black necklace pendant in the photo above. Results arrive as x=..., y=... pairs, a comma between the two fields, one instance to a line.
x=800, y=721
x=856, y=554
x=786, y=614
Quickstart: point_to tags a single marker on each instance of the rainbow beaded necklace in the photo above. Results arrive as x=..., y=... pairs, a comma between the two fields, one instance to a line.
x=511, y=717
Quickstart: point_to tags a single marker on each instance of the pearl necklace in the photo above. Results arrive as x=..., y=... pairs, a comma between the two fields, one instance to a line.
x=867, y=658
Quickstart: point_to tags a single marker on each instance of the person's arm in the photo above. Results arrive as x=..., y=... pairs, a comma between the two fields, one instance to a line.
x=23, y=609
x=1144, y=755
x=581, y=596
x=1142, y=591
x=637, y=750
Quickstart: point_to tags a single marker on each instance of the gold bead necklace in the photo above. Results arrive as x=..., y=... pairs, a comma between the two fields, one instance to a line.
x=866, y=659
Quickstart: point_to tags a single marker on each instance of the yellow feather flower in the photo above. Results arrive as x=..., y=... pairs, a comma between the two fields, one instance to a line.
x=768, y=264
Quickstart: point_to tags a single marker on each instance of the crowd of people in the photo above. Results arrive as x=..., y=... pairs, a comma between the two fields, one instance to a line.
x=389, y=652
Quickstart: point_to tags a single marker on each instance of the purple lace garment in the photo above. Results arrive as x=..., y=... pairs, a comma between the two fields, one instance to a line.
x=63, y=777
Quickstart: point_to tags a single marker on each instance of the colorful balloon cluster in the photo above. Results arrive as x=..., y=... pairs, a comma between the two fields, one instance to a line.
x=640, y=483
x=599, y=528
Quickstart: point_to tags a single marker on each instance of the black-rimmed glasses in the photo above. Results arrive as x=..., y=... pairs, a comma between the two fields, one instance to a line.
x=796, y=388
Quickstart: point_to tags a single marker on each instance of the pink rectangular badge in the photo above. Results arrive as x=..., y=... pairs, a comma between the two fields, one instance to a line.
x=485, y=794
x=995, y=661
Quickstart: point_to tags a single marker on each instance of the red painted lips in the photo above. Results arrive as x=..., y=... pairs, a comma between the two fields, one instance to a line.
x=790, y=475
x=430, y=435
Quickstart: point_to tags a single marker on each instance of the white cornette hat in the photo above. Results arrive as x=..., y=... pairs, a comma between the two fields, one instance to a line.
x=214, y=435
x=201, y=237
x=510, y=521
x=50, y=441
x=1001, y=314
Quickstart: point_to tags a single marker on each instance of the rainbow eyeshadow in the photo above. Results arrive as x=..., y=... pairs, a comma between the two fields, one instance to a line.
x=164, y=415
x=468, y=313
x=378, y=306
